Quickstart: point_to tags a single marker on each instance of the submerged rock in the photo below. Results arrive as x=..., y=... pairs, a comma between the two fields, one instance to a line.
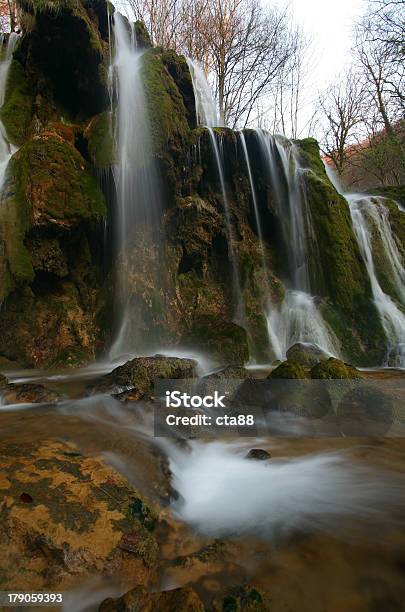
x=258, y=454
x=66, y=516
x=306, y=354
x=334, y=369
x=29, y=394
x=139, y=599
x=241, y=599
x=134, y=380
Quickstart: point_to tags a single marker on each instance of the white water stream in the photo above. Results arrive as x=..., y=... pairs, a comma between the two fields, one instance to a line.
x=6, y=148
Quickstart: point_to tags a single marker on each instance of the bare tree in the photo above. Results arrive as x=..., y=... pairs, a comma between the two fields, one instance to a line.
x=342, y=106
x=243, y=47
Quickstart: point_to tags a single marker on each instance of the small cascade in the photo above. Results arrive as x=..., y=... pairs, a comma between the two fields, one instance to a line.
x=239, y=314
x=6, y=148
x=369, y=214
x=205, y=107
x=273, y=340
x=371, y=225
x=139, y=201
x=298, y=318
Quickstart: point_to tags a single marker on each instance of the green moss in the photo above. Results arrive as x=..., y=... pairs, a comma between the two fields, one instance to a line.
x=394, y=192
x=99, y=135
x=289, y=370
x=225, y=342
x=52, y=178
x=167, y=113
x=334, y=369
x=16, y=111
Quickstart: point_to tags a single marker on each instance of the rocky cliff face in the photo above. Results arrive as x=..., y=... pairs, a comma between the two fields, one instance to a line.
x=53, y=285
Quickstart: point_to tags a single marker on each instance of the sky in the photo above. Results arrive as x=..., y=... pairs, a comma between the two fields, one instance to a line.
x=329, y=24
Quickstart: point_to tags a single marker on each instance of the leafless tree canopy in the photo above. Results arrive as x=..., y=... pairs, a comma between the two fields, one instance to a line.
x=248, y=51
x=363, y=115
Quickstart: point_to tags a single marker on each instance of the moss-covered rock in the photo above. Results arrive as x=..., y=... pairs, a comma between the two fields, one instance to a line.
x=53, y=180
x=64, y=50
x=139, y=374
x=223, y=341
x=17, y=109
x=334, y=369
x=99, y=136
x=66, y=516
x=306, y=354
x=179, y=600
x=289, y=370
x=167, y=113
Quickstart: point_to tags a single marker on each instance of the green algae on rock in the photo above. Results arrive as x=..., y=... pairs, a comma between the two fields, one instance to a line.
x=289, y=370
x=334, y=369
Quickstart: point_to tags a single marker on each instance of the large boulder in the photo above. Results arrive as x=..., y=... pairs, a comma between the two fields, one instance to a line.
x=334, y=369
x=66, y=517
x=306, y=354
x=288, y=370
x=225, y=342
x=135, y=379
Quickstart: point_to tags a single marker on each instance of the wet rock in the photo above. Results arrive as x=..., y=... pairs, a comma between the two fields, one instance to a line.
x=334, y=369
x=3, y=382
x=66, y=517
x=288, y=370
x=138, y=599
x=365, y=410
x=241, y=599
x=306, y=354
x=231, y=371
x=258, y=454
x=224, y=341
x=29, y=394
x=134, y=380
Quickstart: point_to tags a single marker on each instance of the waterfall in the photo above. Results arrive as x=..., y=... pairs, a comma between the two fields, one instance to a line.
x=370, y=218
x=239, y=314
x=272, y=336
x=368, y=214
x=204, y=103
x=298, y=318
x=6, y=149
x=139, y=201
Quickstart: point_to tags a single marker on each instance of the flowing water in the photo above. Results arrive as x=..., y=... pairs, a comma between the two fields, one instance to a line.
x=205, y=107
x=139, y=199
x=298, y=318
x=6, y=148
x=371, y=224
x=368, y=214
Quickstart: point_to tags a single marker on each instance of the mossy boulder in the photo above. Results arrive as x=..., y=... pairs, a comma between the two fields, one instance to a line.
x=334, y=369
x=16, y=112
x=289, y=370
x=223, y=341
x=167, y=113
x=54, y=181
x=99, y=136
x=179, y=600
x=66, y=516
x=306, y=354
x=38, y=329
x=138, y=375
x=64, y=50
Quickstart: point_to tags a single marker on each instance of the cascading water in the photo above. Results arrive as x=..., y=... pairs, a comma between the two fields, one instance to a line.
x=6, y=149
x=139, y=200
x=298, y=319
x=205, y=107
x=370, y=216
x=207, y=116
